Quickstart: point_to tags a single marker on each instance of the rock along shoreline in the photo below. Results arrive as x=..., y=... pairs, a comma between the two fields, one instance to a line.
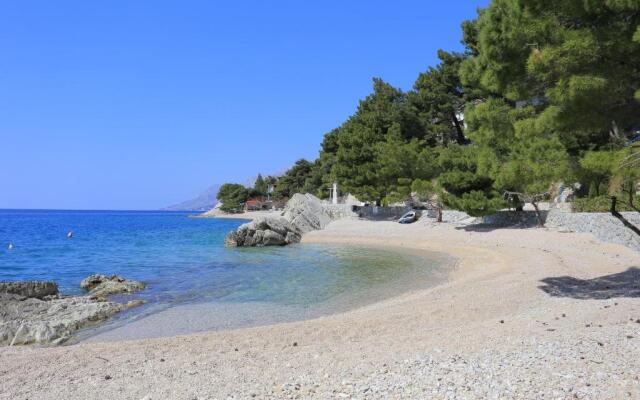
x=34, y=312
x=303, y=213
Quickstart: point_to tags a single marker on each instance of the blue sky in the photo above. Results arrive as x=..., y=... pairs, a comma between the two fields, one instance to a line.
x=137, y=105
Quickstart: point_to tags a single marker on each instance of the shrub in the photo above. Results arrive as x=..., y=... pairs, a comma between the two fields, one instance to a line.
x=598, y=204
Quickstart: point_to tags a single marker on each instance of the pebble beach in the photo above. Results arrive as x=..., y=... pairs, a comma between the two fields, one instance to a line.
x=527, y=313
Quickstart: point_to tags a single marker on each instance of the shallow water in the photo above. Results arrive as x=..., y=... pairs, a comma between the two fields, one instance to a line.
x=194, y=283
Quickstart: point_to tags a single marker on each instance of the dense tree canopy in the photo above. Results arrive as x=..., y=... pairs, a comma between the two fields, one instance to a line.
x=545, y=91
x=574, y=59
x=439, y=99
x=232, y=196
x=293, y=181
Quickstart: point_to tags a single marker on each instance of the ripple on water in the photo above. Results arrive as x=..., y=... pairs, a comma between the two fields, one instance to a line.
x=190, y=275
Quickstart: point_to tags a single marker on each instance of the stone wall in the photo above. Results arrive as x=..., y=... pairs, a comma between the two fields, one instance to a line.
x=340, y=211
x=376, y=213
x=604, y=226
x=520, y=219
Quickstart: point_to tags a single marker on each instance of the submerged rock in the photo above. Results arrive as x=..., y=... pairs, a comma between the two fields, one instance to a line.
x=100, y=286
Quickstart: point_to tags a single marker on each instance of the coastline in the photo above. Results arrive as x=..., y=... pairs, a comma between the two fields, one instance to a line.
x=491, y=316
x=248, y=215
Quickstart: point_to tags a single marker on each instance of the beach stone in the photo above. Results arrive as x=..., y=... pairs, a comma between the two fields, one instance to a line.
x=303, y=213
x=32, y=320
x=100, y=286
x=35, y=289
x=603, y=226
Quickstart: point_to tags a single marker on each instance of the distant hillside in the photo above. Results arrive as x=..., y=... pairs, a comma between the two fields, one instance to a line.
x=204, y=202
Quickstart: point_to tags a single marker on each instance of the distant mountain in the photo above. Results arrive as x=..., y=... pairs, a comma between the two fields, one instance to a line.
x=204, y=202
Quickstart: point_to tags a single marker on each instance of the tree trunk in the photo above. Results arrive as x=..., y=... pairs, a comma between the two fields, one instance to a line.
x=517, y=203
x=622, y=219
x=540, y=221
x=614, y=199
x=460, y=133
x=439, y=215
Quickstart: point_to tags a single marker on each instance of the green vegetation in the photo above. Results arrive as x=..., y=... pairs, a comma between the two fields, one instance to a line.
x=293, y=181
x=544, y=91
x=598, y=204
x=232, y=196
x=260, y=187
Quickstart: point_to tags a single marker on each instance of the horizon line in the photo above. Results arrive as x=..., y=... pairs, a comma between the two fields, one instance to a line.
x=95, y=209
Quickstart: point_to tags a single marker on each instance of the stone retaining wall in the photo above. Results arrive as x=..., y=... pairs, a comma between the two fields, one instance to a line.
x=381, y=213
x=604, y=226
x=340, y=211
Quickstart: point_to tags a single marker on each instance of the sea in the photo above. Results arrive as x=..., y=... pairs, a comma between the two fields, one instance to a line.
x=193, y=282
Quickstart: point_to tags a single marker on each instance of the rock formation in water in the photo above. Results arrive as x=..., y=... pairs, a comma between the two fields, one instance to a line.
x=263, y=232
x=303, y=213
x=100, y=286
x=34, y=312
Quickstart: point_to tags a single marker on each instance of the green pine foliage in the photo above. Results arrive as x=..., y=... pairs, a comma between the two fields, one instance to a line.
x=259, y=187
x=232, y=196
x=544, y=91
x=293, y=181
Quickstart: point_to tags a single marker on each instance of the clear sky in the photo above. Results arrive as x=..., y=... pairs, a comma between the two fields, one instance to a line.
x=137, y=105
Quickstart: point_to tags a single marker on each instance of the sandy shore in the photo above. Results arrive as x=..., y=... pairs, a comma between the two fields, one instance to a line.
x=526, y=314
x=248, y=215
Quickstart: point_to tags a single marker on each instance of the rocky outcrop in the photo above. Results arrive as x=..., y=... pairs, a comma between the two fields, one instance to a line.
x=306, y=213
x=263, y=232
x=100, y=286
x=303, y=213
x=31, y=320
x=34, y=311
x=35, y=289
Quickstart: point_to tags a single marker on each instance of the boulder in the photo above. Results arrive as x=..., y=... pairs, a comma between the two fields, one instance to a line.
x=303, y=213
x=263, y=232
x=99, y=286
x=30, y=289
x=306, y=213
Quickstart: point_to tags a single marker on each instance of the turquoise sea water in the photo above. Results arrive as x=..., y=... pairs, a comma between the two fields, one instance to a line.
x=183, y=262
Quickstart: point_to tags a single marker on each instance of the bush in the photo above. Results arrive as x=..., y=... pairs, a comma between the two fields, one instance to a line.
x=598, y=204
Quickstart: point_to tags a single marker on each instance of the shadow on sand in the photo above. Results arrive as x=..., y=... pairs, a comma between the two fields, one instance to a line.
x=623, y=284
x=505, y=220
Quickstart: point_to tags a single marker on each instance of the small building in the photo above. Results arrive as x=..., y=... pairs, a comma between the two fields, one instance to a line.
x=254, y=204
